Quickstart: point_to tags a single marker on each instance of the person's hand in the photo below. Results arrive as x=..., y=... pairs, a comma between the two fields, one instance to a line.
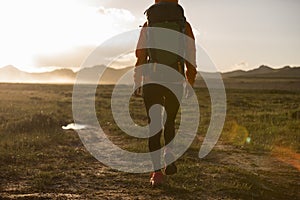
x=188, y=91
x=137, y=91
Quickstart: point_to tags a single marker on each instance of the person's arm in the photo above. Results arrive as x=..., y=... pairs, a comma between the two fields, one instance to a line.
x=191, y=71
x=141, y=55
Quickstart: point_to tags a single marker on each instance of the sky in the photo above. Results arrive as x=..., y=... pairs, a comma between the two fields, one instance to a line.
x=42, y=35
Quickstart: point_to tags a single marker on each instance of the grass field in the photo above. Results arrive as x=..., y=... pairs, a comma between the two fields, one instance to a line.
x=257, y=156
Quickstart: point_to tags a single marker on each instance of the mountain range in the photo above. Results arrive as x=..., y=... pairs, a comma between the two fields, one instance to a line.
x=111, y=75
x=265, y=72
x=11, y=74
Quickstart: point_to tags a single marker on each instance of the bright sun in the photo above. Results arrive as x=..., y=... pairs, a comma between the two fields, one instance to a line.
x=32, y=28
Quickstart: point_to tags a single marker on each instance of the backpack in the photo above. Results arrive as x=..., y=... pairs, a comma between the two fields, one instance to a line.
x=170, y=16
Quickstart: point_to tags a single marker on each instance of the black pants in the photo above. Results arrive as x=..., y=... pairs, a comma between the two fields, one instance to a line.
x=157, y=94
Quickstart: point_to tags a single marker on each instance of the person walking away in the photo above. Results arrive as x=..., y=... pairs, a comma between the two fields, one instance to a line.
x=163, y=14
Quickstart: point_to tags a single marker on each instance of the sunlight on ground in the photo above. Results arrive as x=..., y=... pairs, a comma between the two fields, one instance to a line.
x=74, y=127
x=287, y=156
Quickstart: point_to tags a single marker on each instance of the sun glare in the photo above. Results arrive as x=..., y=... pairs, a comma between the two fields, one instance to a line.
x=33, y=28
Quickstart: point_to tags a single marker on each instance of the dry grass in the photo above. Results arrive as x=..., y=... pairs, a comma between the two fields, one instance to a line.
x=38, y=160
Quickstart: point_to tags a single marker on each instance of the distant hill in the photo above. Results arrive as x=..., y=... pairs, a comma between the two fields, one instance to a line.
x=262, y=78
x=110, y=75
x=265, y=72
x=12, y=74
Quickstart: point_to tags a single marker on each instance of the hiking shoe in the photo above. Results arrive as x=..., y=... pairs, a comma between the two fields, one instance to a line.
x=157, y=178
x=171, y=168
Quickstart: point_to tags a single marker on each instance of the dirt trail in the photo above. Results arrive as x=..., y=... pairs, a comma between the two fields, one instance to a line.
x=226, y=173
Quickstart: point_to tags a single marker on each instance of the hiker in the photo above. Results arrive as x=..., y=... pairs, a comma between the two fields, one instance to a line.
x=154, y=94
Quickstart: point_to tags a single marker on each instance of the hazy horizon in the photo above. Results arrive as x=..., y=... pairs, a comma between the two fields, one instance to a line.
x=42, y=36
x=75, y=70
